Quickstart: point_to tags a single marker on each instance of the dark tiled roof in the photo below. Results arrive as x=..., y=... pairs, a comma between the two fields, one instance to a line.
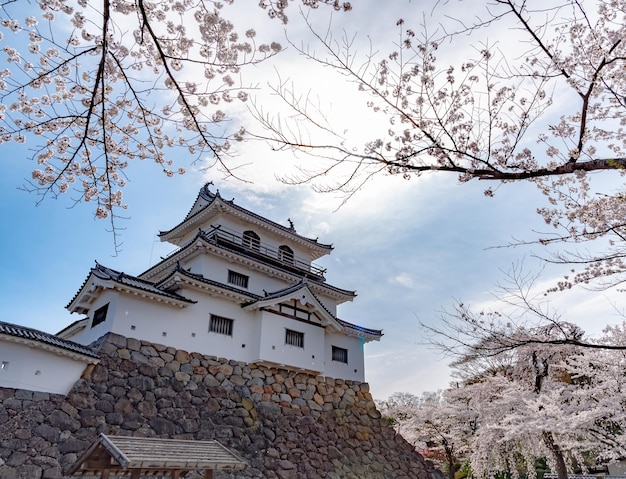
x=206, y=194
x=45, y=338
x=105, y=273
x=356, y=327
x=204, y=236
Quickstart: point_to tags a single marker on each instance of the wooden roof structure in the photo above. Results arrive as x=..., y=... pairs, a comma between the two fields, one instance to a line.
x=140, y=457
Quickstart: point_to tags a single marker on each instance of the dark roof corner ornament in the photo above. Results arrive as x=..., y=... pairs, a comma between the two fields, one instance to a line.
x=206, y=190
x=291, y=227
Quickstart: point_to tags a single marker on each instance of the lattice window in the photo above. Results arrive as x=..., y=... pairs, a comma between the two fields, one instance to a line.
x=294, y=338
x=221, y=325
x=238, y=279
x=340, y=354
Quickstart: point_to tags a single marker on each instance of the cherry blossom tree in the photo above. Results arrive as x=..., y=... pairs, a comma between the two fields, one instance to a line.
x=544, y=102
x=94, y=85
x=562, y=403
x=437, y=424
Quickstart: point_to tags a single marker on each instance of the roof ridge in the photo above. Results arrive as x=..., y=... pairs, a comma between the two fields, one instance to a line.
x=206, y=194
x=18, y=331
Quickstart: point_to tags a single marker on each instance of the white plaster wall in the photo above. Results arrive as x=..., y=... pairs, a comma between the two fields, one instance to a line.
x=257, y=335
x=88, y=335
x=216, y=269
x=274, y=349
x=183, y=328
x=27, y=367
x=355, y=368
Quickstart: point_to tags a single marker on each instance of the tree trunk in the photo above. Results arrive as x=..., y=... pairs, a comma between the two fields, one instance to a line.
x=451, y=461
x=561, y=470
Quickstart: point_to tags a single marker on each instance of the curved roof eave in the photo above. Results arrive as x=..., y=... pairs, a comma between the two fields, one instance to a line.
x=103, y=277
x=46, y=341
x=178, y=255
x=193, y=219
x=361, y=331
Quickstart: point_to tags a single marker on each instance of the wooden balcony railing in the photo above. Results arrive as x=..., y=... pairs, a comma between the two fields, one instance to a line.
x=251, y=246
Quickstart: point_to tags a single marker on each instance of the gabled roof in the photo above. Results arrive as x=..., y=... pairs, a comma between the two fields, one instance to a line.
x=207, y=204
x=155, y=456
x=42, y=340
x=101, y=277
x=302, y=293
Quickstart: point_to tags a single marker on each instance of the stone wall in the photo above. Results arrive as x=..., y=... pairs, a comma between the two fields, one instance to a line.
x=285, y=424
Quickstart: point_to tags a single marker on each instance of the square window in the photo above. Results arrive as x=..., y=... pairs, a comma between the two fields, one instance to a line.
x=340, y=355
x=294, y=338
x=100, y=315
x=221, y=325
x=238, y=279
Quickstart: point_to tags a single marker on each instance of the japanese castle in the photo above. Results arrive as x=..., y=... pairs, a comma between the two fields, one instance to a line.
x=238, y=286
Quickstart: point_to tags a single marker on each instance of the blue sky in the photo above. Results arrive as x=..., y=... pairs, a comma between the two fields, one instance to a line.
x=409, y=248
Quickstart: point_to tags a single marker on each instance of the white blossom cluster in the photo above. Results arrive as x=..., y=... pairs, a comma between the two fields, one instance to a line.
x=546, y=104
x=541, y=400
x=98, y=84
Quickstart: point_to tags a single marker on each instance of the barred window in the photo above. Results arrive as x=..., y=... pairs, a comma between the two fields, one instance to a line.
x=221, y=325
x=340, y=355
x=238, y=279
x=294, y=338
x=100, y=315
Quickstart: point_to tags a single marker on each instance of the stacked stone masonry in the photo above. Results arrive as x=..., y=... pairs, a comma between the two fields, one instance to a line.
x=285, y=424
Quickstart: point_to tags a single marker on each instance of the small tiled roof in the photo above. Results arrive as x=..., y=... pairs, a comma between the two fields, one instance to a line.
x=107, y=273
x=206, y=194
x=203, y=236
x=356, y=327
x=23, y=332
x=104, y=273
x=155, y=455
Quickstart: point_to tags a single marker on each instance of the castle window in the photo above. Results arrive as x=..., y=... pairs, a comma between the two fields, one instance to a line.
x=221, y=325
x=294, y=338
x=251, y=240
x=100, y=315
x=340, y=355
x=238, y=279
x=285, y=254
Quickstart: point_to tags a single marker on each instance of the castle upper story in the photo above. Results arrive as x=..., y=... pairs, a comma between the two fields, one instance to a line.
x=239, y=286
